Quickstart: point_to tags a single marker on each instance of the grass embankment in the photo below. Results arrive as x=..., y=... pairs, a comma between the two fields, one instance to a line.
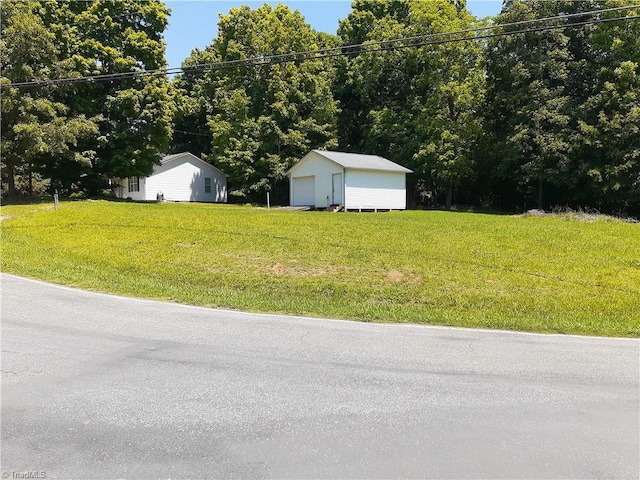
x=514, y=272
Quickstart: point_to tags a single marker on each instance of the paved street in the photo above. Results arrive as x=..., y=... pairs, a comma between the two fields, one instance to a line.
x=97, y=386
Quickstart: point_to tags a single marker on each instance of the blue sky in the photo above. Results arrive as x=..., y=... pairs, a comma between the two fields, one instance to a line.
x=194, y=23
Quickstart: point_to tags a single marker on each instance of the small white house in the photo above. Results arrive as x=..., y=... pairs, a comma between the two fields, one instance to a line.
x=181, y=177
x=355, y=181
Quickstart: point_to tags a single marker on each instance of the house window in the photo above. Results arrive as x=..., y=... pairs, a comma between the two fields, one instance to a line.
x=134, y=184
x=207, y=185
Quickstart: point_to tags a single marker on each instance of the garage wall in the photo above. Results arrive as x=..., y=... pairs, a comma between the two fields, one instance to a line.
x=322, y=169
x=371, y=189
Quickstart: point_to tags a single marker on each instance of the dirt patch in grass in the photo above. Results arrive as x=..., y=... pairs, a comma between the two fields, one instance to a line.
x=293, y=269
x=395, y=276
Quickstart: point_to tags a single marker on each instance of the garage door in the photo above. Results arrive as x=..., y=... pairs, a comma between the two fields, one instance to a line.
x=304, y=191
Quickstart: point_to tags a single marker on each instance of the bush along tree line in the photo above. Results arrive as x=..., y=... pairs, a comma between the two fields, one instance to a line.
x=536, y=118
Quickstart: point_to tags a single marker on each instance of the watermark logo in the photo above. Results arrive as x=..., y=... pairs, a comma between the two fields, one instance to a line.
x=25, y=474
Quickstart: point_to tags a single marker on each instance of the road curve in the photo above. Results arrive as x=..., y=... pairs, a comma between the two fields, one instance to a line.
x=98, y=386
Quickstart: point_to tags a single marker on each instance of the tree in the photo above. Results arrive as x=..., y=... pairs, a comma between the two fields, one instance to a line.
x=562, y=107
x=263, y=118
x=418, y=106
x=136, y=114
x=373, y=82
x=34, y=126
x=452, y=86
x=83, y=134
x=191, y=131
x=609, y=117
x=529, y=108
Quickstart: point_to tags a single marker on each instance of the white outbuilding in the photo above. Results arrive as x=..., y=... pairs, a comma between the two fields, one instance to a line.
x=355, y=181
x=181, y=177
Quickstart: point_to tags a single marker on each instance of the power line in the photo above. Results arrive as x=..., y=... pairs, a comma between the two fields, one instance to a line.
x=193, y=133
x=310, y=55
x=346, y=48
x=384, y=46
x=432, y=35
x=394, y=44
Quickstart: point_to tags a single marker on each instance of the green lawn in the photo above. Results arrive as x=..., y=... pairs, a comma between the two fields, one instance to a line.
x=548, y=274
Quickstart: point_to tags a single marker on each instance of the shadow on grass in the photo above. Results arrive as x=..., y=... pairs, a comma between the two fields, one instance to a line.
x=27, y=200
x=464, y=209
x=39, y=200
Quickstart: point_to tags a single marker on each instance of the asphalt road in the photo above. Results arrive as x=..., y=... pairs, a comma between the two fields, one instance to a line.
x=97, y=386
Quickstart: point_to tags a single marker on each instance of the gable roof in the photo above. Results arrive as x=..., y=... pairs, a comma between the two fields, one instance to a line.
x=169, y=158
x=358, y=161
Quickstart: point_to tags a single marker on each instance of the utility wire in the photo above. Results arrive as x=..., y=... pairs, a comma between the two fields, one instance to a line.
x=310, y=55
x=193, y=133
x=384, y=46
x=503, y=25
x=173, y=70
x=346, y=48
x=349, y=50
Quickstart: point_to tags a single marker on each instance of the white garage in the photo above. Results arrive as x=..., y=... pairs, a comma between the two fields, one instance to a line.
x=181, y=177
x=354, y=181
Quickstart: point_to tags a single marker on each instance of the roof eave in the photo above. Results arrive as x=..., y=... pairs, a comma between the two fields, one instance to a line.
x=378, y=170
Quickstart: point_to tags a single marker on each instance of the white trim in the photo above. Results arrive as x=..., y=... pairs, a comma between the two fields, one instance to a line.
x=349, y=167
x=133, y=182
x=176, y=156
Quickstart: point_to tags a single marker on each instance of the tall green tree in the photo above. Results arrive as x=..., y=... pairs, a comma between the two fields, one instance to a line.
x=613, y=136
x=111, y=37
x=451, y=86
x=114, y=128
x=561, y=107
x=35, y=127
x=263, y=118
x=416, y=105
x=529, y=106
x=609, y=118
x=370, y=86
x=191, y=130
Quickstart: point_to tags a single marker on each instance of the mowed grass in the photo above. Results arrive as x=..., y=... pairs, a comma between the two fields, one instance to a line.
x=466, y=269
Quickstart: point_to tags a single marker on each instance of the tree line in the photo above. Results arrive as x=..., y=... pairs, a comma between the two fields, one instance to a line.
x=535, y=118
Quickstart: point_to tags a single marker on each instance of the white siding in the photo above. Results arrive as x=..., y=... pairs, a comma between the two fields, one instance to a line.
x=181, y=180
x=375, y=190
x=323, y=170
